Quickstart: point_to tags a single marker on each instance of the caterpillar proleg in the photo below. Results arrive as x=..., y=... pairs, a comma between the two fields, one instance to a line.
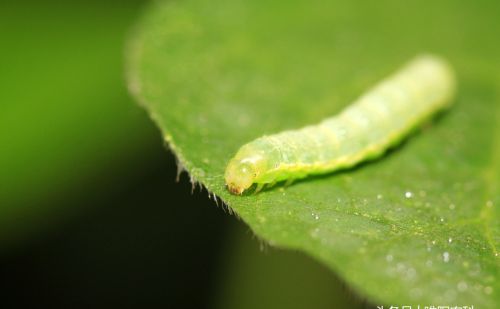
x=364, y=130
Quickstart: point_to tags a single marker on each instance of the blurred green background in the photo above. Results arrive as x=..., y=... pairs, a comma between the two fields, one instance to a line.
x=90, y=213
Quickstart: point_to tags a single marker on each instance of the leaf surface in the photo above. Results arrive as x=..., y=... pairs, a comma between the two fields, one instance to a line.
x=419, y=225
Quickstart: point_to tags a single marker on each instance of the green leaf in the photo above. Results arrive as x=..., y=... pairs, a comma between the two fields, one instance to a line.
x=419, y=225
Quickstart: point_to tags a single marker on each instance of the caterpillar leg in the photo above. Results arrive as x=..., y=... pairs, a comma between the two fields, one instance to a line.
x=289, y=182
x=260, y=186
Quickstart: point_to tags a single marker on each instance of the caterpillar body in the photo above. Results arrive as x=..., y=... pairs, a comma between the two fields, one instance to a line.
x=364, y=130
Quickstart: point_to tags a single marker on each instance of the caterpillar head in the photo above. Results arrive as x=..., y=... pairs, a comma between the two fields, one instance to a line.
x=240, y=175
x=243, y=170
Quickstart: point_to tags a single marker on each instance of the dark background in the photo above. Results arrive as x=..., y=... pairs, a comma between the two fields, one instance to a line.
x=90, y=212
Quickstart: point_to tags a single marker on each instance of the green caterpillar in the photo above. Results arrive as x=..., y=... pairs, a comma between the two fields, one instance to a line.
x=364, y=130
